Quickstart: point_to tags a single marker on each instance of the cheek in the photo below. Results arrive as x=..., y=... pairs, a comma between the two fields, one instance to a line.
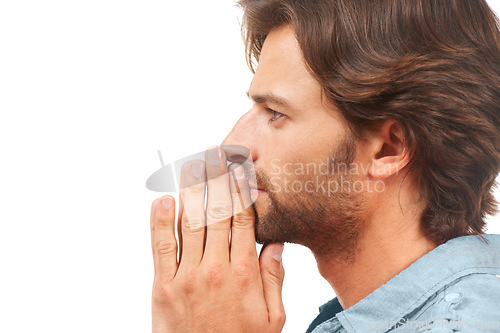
x=285, y=172
x=295, y=146
x=320, y=130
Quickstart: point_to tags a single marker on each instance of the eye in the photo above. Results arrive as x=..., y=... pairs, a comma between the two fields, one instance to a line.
x=276, y=115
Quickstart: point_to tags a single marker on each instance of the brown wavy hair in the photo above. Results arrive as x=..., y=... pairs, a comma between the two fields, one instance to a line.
x=431, y=65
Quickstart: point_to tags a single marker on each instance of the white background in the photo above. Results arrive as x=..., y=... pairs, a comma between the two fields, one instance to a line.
x=89, y=90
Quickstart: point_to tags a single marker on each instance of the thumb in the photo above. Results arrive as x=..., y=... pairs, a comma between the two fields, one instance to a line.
x=273, y=273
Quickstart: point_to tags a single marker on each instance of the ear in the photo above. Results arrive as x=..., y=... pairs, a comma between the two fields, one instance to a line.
x=387, y=152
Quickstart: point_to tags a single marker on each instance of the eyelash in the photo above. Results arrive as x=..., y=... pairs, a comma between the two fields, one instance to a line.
x=274, y=113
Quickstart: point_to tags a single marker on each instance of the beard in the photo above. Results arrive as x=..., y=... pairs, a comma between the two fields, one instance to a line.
x=325, y=221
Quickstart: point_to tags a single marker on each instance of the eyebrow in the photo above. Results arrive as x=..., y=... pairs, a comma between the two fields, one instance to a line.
x=270, y=98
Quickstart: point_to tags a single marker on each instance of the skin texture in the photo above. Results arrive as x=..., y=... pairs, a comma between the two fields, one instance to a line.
x=312, y=205
x=222, y=286
x=214, y=287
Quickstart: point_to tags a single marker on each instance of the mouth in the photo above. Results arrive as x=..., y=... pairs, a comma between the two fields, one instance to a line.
x=256, y=188
x=256, y=192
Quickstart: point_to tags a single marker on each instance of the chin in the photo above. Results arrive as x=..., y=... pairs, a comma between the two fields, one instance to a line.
x=268, y=228
x=265, y=231
x=261, y=236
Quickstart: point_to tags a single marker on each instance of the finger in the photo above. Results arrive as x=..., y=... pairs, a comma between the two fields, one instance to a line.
x=273, y=273
x=219, y=207
x=152, y=227
x=179, y=231
x=243, y=224
x=192, y=225
x=164, y=239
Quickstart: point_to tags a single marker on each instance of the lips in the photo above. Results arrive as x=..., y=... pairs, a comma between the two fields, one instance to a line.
x=253, y=187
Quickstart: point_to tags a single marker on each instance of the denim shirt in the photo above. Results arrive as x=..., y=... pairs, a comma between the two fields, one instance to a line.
x=453, y=288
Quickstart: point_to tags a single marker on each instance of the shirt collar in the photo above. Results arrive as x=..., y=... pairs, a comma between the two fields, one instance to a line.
x=413, y=286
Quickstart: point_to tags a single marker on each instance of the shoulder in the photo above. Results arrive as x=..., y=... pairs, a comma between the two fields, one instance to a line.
x=470, y=303
x=475, y=295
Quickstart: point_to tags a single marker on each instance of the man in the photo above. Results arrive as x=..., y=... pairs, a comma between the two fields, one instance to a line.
x=375, y=141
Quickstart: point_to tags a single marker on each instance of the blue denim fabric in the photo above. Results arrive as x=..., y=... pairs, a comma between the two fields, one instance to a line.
x=453, y=288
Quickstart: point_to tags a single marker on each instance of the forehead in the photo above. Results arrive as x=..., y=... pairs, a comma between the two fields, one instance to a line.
x=282, y=68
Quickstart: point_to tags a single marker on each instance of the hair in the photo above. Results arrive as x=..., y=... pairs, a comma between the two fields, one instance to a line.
x=433, y=66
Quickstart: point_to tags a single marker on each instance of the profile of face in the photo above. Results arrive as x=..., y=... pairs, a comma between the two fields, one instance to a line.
x=302, y=150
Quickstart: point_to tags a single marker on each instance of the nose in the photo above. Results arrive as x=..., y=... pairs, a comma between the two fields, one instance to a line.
x=241, y=142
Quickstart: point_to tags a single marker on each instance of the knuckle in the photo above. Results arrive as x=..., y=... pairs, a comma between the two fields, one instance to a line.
x=219, y=210
x=193, y=225
x=188, y=284
x=245, y=272
x=162, y=219
x=164, y=247
x=242, y=270
x=186, y=166
x=273, y=277
x=193, y=190
x=162, y=293
x=197, y=190
x=281, y=317
x=214, y=275
x=243, y=219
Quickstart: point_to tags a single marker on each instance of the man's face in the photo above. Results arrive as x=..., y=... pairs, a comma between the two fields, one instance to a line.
x=300, y=157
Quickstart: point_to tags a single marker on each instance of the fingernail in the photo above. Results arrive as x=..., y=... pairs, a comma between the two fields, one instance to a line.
x=213, y=155
x=167, y=202
x=238, y=171
x=197, y=169
x=277, y=251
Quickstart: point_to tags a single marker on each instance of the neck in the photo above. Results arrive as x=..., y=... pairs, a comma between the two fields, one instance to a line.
x=389, y=242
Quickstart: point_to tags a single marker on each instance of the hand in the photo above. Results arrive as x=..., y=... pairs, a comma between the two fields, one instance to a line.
x=217, y=285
